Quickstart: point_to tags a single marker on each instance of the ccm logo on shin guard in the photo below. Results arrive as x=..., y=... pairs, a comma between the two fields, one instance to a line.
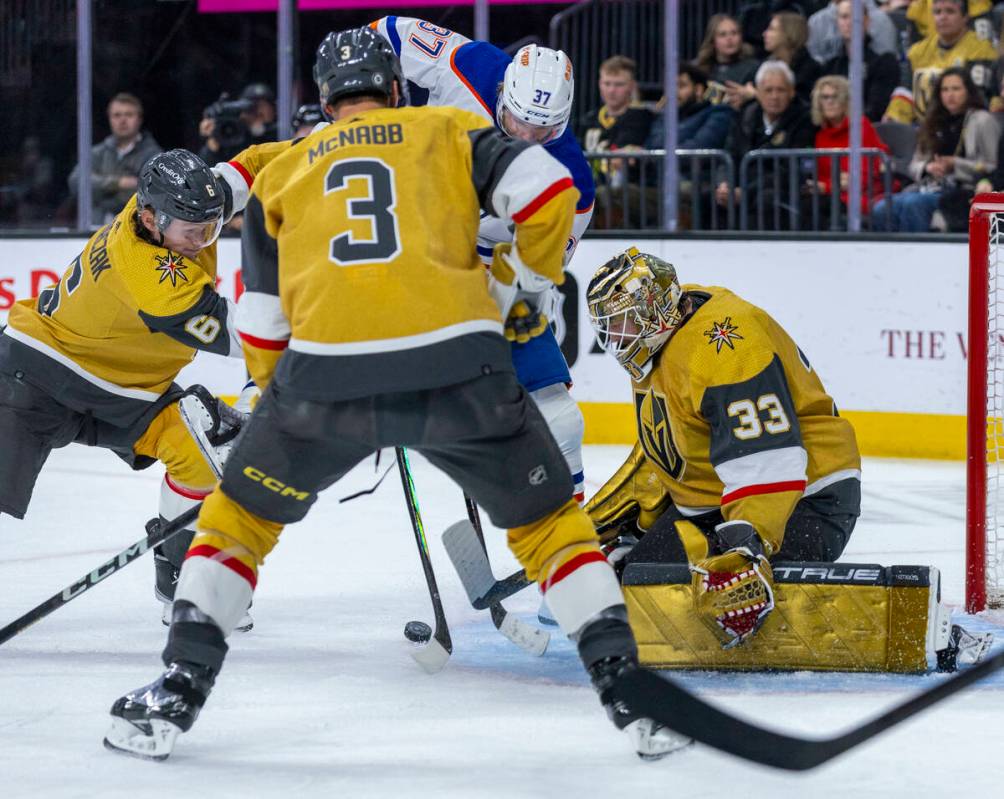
x=272, y=484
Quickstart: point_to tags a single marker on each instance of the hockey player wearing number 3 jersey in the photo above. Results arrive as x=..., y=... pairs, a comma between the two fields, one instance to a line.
x=368, y=323
x=528, y=97
x=93, y=359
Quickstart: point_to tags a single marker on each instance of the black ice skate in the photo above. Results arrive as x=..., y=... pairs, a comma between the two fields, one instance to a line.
x=146, y=722
x=651, y=740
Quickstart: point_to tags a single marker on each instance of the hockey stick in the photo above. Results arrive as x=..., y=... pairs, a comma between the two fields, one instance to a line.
x=433, y=655
x=471, y=562
x=154, y=538
x=668, y=703
x=525, y=636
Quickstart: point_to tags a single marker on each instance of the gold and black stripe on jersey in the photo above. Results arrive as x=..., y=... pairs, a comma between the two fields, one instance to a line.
x=126, y=316
x=737, y=420
x=360, y=269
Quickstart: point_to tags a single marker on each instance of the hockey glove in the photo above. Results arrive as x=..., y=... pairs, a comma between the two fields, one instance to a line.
x=630, y=501
x=212, y=424
x=732, y=592
x=524, y=323
x=510, y=277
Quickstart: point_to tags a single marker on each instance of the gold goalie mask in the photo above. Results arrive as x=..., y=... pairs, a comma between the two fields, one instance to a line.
x=634, y=301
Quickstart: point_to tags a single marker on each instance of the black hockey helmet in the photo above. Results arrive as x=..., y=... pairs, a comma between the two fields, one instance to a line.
x=307, y=114
x=177, y=184
x=356, y=61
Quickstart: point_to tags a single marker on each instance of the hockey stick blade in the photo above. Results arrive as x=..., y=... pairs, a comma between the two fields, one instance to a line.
x=471, y=565
x=92, y=578
x=432, y=656
x=468, y=557
x=668, y=703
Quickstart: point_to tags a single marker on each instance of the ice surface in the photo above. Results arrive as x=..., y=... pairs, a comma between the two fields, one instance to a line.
x=321, y=699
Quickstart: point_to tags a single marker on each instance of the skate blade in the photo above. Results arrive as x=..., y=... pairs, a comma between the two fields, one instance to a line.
x=651, y=746
x=129, y=739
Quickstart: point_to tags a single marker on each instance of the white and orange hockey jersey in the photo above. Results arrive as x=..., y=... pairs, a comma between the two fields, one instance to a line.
x=443, y=67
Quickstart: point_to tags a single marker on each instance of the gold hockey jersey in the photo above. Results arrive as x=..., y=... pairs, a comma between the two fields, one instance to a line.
x=360, y=269
x=735, y=417
x=127, y=315
x=928, y=59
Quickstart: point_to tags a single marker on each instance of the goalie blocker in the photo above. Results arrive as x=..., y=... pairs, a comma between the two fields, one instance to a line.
x=827, y=617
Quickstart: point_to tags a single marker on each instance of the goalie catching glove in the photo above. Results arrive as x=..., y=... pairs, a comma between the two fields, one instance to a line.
x=733, y=592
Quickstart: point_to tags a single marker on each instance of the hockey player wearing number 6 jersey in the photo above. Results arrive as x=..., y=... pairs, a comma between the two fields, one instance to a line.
x=528, y=97
x=368, y=323
x=741, y=455
x=93, y=359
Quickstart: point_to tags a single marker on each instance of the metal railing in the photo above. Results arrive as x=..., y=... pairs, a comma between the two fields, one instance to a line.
x=790, y=187
x=629, y=189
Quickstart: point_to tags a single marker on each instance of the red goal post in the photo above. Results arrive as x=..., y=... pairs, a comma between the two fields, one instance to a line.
x=985, y=406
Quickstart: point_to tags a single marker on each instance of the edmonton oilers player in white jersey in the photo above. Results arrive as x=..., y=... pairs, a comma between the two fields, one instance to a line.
x=528, y=97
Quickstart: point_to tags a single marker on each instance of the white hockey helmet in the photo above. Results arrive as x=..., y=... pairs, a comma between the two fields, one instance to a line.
x=537, y=91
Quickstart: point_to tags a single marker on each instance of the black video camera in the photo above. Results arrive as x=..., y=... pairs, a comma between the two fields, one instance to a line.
x=230, y=130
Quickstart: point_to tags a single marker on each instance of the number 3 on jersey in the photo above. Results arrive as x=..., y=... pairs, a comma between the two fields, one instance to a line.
x=383, y=244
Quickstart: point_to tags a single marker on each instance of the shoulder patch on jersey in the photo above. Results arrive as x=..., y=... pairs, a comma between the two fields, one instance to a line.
x=171, y=267
x=723, y=334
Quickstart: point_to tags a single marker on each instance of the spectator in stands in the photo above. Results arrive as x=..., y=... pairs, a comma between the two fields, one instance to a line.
x=261, y=118
x=830, y=109
x=620, y=121
x=951, y=44
x=784, y=39
x=229, y=126
x=755, y=16
x=956, y=147
x=31, y=193
x=305, y=118
x=778, y=119
x=723, y=54
x=827, y=39
x=881, y=70
x=703, y=125
x=116, y=161
x=921, y=14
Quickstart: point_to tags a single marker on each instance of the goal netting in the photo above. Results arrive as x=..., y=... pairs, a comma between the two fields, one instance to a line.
x=985, y=411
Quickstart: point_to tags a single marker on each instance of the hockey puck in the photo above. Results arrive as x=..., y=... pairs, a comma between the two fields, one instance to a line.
x=417, y=631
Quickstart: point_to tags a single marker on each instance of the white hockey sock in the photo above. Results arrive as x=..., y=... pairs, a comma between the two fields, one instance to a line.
x=580, y=589
x=565, y=421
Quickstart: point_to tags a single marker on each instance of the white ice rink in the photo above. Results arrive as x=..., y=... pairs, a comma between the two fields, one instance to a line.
x=322, y=699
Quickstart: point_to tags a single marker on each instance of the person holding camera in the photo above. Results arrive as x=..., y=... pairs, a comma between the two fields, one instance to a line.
x=116, y=161
x=229, y=126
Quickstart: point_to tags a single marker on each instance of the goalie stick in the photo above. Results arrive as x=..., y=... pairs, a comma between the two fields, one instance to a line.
x=525, y=636
x=156, y=535
x=433, y=655
x=666, y=702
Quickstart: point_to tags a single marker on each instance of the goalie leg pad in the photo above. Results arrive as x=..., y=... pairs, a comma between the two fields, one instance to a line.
x=827, y=617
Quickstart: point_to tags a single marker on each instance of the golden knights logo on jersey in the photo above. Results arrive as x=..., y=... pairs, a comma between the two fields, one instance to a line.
x=171, y=267
x=723, y=334
x=655, y=433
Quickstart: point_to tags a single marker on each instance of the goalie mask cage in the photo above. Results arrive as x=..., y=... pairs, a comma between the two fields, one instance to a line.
x=985, y=406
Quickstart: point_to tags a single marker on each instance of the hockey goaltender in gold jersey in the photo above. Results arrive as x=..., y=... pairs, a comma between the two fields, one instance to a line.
x=744, y=486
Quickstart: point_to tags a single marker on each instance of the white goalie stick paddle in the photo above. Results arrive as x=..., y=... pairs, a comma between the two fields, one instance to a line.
x=433, y=655
x=666, y=702
x=527, y=637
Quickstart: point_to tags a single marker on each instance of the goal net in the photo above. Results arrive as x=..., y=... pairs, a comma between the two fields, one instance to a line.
x=985, y=411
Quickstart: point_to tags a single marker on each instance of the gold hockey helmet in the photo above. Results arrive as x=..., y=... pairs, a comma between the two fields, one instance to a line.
x=634, y=301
